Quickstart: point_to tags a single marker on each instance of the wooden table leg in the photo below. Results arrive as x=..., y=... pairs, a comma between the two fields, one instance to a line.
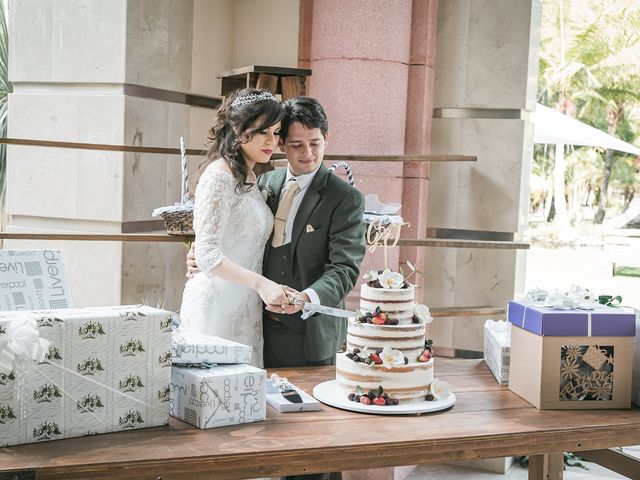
x=615, y=460
x=546, y=467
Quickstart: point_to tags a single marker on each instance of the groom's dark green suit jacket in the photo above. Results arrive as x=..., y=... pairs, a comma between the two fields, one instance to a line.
x=327, y=247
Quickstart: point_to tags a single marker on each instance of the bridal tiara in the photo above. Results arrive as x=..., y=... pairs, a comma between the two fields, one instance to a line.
x=253, y=97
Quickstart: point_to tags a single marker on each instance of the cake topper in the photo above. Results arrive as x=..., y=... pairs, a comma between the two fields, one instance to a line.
x=379, y=235
x=383, y=224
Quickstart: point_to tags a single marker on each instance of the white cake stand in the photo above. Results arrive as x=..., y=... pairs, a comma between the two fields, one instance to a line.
x=330, y=393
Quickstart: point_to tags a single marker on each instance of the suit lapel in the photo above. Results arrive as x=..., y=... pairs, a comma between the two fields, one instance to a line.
x=275, y=182
x=309, y=203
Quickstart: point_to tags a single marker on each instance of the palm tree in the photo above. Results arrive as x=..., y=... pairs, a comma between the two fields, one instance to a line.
x=596, y=75
x=603, y=49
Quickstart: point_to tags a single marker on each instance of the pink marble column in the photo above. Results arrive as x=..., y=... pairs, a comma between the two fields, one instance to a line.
x=419, y=116
x=359, y=56
x=372, y=64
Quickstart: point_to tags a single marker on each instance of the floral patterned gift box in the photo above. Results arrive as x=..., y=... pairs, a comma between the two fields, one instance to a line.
x=571, y=358
x=106, y=369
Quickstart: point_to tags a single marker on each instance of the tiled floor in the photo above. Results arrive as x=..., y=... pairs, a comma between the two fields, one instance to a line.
x=455, y=472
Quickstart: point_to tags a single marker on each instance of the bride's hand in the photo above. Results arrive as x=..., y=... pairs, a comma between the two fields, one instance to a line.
x=192, y=266
x=271, y=293
x=292, y=295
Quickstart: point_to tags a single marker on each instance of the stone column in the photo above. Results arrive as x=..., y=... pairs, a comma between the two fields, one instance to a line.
x=107, y=72
x=72, y=63
x=485, y=86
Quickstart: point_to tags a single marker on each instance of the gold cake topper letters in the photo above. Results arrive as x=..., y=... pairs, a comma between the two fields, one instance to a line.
x=378, y=235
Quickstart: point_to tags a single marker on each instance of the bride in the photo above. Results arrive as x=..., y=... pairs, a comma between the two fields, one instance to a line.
x=232, y=223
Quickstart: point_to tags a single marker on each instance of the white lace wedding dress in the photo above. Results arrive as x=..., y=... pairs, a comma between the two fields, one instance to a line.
x=236, y=226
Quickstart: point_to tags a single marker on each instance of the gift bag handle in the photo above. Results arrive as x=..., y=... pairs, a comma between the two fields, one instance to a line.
x=347, y=169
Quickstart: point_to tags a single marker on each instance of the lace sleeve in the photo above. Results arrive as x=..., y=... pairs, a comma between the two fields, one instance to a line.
x=215, y=196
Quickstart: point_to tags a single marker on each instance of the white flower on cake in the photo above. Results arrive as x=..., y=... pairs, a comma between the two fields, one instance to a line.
x=389, y=279
x=391, y=357
x=364, y=353
x=370, y=276
x=440, y=389
x=423, y=313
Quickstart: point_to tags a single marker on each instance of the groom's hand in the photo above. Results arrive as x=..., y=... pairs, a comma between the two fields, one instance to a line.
x=192, y=266
x=289, y=308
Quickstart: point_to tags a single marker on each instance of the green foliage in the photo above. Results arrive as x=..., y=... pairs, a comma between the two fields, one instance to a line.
x=46, y=431
x=6, y=413
x=589, y=68
x=130, y=383
x=91, y=329
x=89, y=403
x=131, y=347
x=90, y=366
x=6, y=378
x=47, y=393
x=53, y=354
x=5, y=89
x=130, y=419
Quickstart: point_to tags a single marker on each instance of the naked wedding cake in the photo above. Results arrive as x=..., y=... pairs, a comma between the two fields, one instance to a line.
x=387, y=359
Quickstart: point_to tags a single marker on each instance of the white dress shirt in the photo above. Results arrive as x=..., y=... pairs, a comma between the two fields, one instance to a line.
x=303, y=182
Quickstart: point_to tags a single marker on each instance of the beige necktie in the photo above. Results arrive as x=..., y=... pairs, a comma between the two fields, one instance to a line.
x=284, y=207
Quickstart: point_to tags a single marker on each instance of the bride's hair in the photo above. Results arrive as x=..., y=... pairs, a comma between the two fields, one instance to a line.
x=242, y=114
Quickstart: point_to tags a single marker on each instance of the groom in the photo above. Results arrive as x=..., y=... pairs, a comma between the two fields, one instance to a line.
x=317, y=245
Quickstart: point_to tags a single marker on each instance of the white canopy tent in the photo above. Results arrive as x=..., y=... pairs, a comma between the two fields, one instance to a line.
x=553, y=127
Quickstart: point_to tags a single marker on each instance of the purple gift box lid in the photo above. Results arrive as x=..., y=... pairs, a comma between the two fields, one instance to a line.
x=605, y=321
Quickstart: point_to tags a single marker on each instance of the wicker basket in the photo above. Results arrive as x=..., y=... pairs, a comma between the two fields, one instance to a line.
x=179, y=222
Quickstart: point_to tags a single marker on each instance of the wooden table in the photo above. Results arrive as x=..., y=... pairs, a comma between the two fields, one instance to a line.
x=487, y=421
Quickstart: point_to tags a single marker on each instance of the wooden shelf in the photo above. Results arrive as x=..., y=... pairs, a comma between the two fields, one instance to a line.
x=456, y=243
x=480, y=311
x=98, y=237
x=394, y=158
x=163, y=237
x=279, y=158
x=300, y=72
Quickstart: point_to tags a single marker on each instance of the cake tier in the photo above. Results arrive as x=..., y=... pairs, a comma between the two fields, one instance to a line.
x=405, y=382
x=409, y=339
x=398, y=303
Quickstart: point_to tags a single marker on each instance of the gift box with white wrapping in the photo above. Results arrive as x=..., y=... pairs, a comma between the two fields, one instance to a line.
x=32, y=280
x=286, y=397
x=497, y=349
x=571, y=358
x=189, y=347
x=218, y=396
x=106, y=369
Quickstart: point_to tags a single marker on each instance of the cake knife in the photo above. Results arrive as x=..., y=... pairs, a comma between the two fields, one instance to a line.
x=313, y=308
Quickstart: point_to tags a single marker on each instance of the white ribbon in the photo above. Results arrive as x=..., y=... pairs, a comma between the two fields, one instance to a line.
x=21, y=348
x=280, y=382
x=21, y=344
x=577, y=298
